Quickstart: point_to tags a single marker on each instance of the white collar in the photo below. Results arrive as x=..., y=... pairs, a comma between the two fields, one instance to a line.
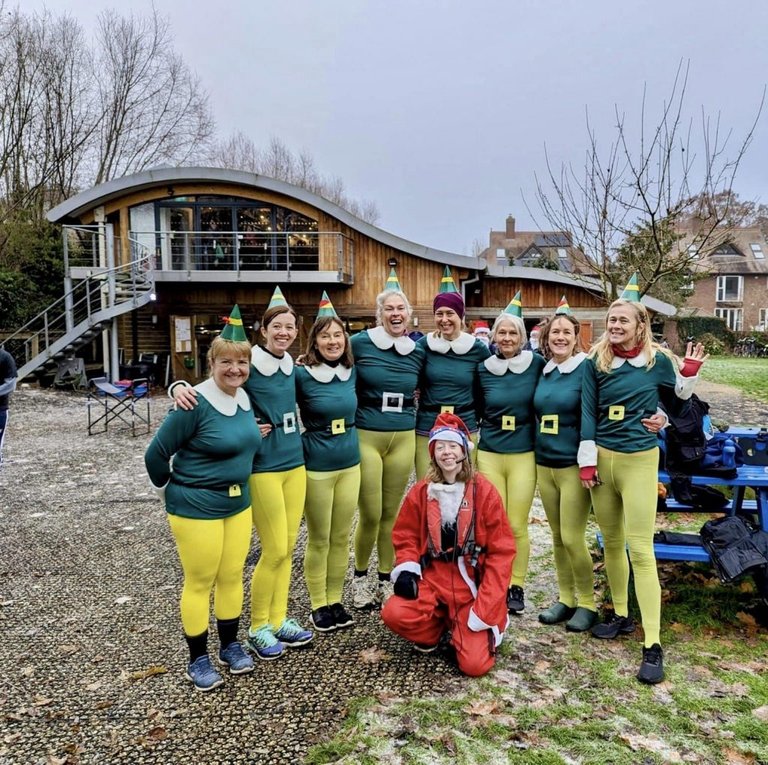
x=461, y=345
x=641, y=360
x=267, y=364
x=384, y=341
x=567, y=366
x=517, y=364
x=223, y=402
x=324, y=374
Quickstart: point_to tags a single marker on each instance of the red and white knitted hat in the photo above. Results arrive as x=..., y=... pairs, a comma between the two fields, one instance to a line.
x=450, y=427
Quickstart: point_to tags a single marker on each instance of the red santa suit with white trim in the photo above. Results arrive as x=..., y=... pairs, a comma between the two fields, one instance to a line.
x=453, y=556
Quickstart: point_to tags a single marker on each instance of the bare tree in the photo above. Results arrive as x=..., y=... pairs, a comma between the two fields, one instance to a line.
x=239, y=152
x=622, y=205
x=153, y=109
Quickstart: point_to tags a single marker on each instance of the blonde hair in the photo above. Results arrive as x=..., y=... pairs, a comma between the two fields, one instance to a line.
x=602, y=351
x=516, y=320
x=382, y=297
x=220, y=347
x=544, y=336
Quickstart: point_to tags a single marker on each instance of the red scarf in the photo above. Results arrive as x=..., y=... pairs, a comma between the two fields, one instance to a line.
x=630, y=354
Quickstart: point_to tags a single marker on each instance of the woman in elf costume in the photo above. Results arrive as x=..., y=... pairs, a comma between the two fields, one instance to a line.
x=325, y=386
x=208, y=501
x=506, y=384
x=278, y=481
x=448, y=379
x=557, y=403
x=388, y=364
x=626, y=376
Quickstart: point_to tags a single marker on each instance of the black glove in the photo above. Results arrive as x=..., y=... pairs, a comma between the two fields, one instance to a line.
x=407, y=585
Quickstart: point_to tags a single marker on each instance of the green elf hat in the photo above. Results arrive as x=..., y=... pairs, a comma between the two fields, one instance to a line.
x=277, y=299
x=392, y=282
x=563, y=308
x=515, y=306
x=631, y=291
x=233, y=328
x=446, y=283
x=326, y=307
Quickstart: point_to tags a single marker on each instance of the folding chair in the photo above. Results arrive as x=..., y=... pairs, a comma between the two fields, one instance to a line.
x=70, y=374
x=128, y=405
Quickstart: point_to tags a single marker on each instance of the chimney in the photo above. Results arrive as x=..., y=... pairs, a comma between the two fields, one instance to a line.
x=510, y=227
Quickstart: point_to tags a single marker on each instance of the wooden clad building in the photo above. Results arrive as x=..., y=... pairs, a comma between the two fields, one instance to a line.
x=218, y=237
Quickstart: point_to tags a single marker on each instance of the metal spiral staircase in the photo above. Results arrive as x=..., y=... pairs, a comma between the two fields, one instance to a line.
x=83, y=312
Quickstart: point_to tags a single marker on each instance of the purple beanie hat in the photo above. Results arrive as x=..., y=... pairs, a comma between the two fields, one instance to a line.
x=452, y=300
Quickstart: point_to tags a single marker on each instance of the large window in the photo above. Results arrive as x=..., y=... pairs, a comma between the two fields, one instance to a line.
x=729, y=288
x=731, y=316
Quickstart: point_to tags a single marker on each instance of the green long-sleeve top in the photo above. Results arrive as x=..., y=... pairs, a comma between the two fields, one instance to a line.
x=557, y=403
x=387, y=375
x=613, y=403
x=327, y=402
x=271, y=388
x=212, y=447
x=505, y=402
x=448, y=378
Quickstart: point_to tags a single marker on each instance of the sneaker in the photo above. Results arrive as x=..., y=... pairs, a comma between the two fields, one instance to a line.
x=264, y=643
x=556, y=613
x=384, y=591
x=202, y=673
x=235, y=657
x=340, y=616
x=515, y=599
x=363, y=596
x=582, y=620
x=322, y=619
x=424, y=648
x=652, y=667
x=612, y=626
x=293, y=634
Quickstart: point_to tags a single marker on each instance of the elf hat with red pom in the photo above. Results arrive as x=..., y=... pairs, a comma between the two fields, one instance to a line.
x=450, y=427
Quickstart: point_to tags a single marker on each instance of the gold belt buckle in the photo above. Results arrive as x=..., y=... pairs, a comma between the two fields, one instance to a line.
x=235, y=491
x=616, y=412
x=507, y=421
x=550, y=424
x=338, y=427
x=446, y=410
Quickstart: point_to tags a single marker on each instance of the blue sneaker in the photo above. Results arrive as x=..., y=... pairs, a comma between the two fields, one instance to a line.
x=235, y=657
x=202, y=673
x=293, y=634
x=264, y=643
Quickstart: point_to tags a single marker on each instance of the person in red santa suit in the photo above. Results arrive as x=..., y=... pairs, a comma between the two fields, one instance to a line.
x=453, y=556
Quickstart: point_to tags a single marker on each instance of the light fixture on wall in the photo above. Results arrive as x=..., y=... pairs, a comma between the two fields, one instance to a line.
x=415, y=321
x=392, y=262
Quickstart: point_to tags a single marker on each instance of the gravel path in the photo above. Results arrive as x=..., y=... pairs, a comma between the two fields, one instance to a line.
x=92, y=658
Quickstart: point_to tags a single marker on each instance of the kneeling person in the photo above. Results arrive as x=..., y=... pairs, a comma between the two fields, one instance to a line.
x=453, y=556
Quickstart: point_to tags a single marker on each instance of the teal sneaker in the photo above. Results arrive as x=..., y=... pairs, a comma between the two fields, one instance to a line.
x=202, y=673
x=235, y=657
x=293, y=634
x=264, y=643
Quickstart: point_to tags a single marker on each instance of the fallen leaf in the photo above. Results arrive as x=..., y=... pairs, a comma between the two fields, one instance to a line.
x=158, y=733
x=652, y=744
x=122, y=599
x=735, y=757
x=373, y=655
x=747, y=619
x=27, y=671
x=739, y=690
x=93, y=686
x=761, y=713
x=104, y=705
x=479, y=708
x=541, y=666
x=143, y=674
x=69, y=649
x=42, y=701
x=52, y=760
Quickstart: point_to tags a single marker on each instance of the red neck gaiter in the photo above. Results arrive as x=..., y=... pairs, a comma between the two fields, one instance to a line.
x=630, y=354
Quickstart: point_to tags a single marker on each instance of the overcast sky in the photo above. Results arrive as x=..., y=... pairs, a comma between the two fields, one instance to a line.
x=439, y=110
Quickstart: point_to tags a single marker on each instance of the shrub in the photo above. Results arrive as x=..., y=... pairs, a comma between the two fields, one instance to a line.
x=714, y=346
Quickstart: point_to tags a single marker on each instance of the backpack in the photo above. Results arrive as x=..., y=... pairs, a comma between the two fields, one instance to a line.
x=735, y=546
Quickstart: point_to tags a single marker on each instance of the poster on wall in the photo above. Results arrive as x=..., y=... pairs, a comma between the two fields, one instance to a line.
x=183, y=327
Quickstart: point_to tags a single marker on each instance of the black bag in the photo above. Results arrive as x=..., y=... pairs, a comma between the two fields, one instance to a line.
x=730, y=543
x=685, y=439
x=699, y=497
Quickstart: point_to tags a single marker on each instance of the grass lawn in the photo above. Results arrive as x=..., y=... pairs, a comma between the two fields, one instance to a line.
x=748, y=375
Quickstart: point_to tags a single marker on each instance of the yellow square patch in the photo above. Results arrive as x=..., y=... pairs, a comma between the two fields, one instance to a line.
x=550, y=424
x=507, y=421
x=446, y=410
x=616, y=412
x=234, y=490
x=338, y=427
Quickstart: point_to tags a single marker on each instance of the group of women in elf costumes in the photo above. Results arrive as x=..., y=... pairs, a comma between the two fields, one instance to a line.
x=581, y=427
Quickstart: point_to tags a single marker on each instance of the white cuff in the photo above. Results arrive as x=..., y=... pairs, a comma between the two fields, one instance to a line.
x=684, y=386
x=414, y=568
x=476, y=624
x=174, y=384
x=587, y=454
x=159, y=490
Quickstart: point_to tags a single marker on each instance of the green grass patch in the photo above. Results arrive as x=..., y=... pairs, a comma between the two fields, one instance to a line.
x=748, y=375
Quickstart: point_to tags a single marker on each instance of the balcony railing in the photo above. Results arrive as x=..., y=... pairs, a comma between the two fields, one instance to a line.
x=248, y=251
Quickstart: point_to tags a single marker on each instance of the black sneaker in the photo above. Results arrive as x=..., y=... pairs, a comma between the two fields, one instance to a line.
x=612, y=626
x=323, y=620
x=652, y=667
x=515, y=599
x=340, y=616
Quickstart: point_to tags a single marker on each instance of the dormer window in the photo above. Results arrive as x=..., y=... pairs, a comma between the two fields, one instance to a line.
x=757, y=250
